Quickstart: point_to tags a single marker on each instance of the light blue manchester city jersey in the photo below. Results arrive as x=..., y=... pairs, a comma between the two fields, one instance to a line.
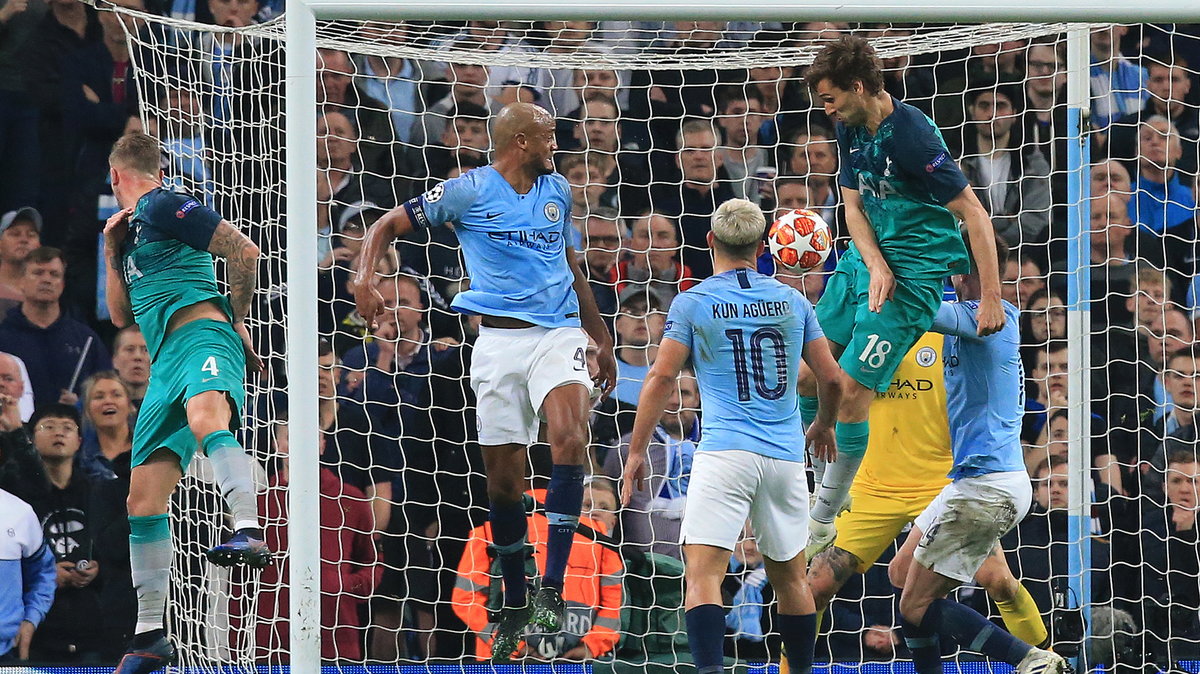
x=746, y=333
x=514, y=244
x=985, y=391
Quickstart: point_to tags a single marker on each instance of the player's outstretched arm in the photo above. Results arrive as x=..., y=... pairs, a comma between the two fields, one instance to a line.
x=966, y=207
x=593, y=324
x=883, y=284
x=820, y=436
x=241, y=266
x=392, y=225
x=116, y=295
x=661, y=380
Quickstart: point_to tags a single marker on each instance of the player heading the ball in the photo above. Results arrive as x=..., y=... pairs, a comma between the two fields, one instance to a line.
x=745, y=334
x=159, y=248
x=529, y=363
x=904, y=197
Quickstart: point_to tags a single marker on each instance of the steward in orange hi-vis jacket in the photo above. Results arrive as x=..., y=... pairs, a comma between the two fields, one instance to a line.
x=592, y=592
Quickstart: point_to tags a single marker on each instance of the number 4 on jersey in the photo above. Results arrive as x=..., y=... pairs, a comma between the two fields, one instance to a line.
x=210, y=366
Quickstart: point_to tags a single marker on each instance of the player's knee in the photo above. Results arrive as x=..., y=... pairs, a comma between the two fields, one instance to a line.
x=913, y=607
x=569, y=438
x=998, y=582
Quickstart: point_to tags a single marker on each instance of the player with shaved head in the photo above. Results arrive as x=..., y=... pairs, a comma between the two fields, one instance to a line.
x=529, y=364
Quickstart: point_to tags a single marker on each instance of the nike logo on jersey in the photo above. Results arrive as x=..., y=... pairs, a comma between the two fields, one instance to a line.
x=854, y=149
x=493, y=215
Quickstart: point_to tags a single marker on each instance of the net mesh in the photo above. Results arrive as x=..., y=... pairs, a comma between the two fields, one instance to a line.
x=405, y=106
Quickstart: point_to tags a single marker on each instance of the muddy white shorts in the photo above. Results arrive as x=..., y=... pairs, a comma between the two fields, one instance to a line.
x=962, y=525
x=729, y=486
x=512, y=371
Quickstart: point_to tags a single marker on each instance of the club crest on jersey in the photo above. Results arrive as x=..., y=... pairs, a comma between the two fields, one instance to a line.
x=435, y=194
x=186, y=207
x=926, y=356
x=553, y=212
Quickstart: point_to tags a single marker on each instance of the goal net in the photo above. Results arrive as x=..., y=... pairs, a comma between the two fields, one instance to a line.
x=656, y=125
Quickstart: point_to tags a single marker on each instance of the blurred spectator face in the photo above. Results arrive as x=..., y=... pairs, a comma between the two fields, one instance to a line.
x=1106, y=42
x=698, y=34
x=598, y=130
x=336, y=76
x=602, y=244
x=993, y=114
x=330, y=376
x=43, y=281
x=746, y=550
x=1158, y=145
x=790, y=196
x=600, y=505
x=824, y=30
x=130, y=358
x=233, y=13
x=1031, y=281
x=697, y=157
x=1045, y=75
x=740, y=120
x=56, y=439
x=1050, y=371
x=20, y=238
x=1147, y=303
x=689, y=401
x=587, y=186
x=1168, y=83
x=487, y=35
x=184, y=115
x=1182, y=480
x=337, y=141
x=814, y=156
x=600, y=81
x=1169, y=333
x=111, y=23
x=467, y=134
x=1049, y=318
x=637, y=326
x=1110, y=226
x=107, y=404
x=1111, y=177
x=655, y=237
x=402, y=303
x=1008, y=282
x=11, y=382
x=1057, y=431
x=468, y=76
x=1180, y=381
x=1050, y=489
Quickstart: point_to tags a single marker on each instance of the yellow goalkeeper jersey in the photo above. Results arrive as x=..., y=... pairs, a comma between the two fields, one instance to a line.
x=909, y=452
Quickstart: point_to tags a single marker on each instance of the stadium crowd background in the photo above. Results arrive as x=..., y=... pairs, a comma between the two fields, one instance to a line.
x=649, y=155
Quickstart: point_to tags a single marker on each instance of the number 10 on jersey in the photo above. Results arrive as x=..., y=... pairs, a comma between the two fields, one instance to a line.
x=759, y=341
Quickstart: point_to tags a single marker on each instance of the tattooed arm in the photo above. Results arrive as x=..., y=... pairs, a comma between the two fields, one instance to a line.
x=829, y=572
x=241, y=266
x=241, y=269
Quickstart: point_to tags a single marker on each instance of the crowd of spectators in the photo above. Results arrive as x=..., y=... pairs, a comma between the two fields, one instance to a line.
x=649, y=155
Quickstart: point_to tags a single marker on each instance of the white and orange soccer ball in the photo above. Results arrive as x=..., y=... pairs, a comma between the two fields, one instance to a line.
x=800, y=240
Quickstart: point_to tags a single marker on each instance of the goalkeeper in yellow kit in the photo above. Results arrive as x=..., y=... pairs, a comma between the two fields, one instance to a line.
x=904, y=468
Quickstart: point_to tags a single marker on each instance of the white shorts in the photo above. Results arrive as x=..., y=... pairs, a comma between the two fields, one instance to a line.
x=512, y=371
x=962, y=525
x=729, y=486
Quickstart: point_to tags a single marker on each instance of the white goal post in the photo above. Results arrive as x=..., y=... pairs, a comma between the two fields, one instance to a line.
x=301, y=161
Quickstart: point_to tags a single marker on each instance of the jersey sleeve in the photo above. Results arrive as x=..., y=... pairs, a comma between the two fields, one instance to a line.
x=679, y=321
x=920, y=151
x=845, y=172
x=956, y=319
x=446, y=202
x=185, y=219
x=812, y=328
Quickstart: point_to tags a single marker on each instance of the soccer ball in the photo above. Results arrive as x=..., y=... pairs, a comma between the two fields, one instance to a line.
x=800, y=240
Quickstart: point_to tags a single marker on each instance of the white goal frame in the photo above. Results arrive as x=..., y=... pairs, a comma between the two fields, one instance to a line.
x=301, y=161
